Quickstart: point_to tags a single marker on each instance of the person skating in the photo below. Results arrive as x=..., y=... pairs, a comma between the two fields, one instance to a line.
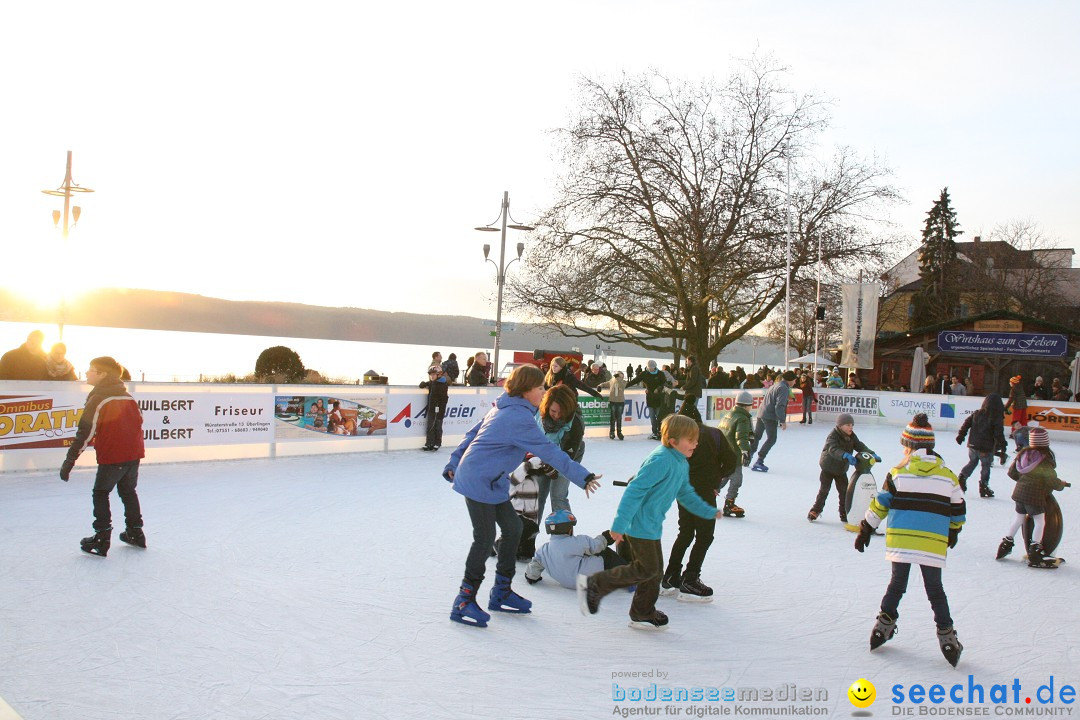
x=713, y=460
x=736, y=426
x=655, y=383
x=1017, y=401
x=438, y=387
x=1035, y=471
x=479, y=470
x=663, y=478
x=773, y=412
x=926, y=511
x=838, y=453
x=616, y=388
x=986, y=438
x=112, y=421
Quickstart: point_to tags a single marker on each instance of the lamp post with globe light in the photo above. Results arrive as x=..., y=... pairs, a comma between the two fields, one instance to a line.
x=65, y=190
x=502, y=265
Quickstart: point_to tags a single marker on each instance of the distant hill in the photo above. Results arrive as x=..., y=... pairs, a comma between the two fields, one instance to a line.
x=161, y=310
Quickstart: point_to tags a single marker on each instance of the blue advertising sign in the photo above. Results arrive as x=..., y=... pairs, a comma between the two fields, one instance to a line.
x=1003, y=343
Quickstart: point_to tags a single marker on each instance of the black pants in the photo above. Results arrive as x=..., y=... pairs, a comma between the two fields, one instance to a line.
x=614, y=559
x=485, y=517
x=689, y=408
x=616, y=410
x=656, y=416
x=434, y=425
x=697, y=530
x=827, y=480
x=124, y=477
x=935, y=592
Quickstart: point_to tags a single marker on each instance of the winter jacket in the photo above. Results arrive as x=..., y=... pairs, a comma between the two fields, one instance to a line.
x=713, y=460
x=807, y=387
x=986, y=425
x=524, y=496
x=438, y=394
x=1036, y=477
x=479, y=376
x=594, y=379
x=774, y=406
x=836, y=444
x=567, y=556
x=450, y=367
x=661, y=479
x=111, y=421
x=494, y=446
x=569, y=436
x=1017, y=398
x=22, y=363
x=694, y=382
x=1040, y=392
x=923, y=502
x=565, y=377
x=654, y=382
x=835, y=382
x=1061, y=395
x=737, y=427
x=616, y=388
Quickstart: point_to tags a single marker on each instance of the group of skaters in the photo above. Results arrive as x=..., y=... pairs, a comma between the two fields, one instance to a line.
x=29, y=361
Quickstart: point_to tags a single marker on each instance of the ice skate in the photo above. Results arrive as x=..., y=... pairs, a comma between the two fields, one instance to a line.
x=1037, y=558
x=465, y=610
x=812, y=515
x=98, y=543
x=883, y=631
x=985, y=491
x=134, y=536
x=504, y=599
x=588, y=598
x=759, y=466
x=733, y=510
x=672, y=581
x=658, y=621
x=1005, y=547
x=693, y=590
x=950, y=645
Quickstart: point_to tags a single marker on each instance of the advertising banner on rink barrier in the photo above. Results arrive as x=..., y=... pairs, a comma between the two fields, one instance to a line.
x=322, y=417
x=39, y=420
x=176, y=419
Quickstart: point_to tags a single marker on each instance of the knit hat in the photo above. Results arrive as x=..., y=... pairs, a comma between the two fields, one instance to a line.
x=918, y=434
x=1038, y=437
x=844, y=419
x=651, y=365
x=744, y=398
x=1015, y=380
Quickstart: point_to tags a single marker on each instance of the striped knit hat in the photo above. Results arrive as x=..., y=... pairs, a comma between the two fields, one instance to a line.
x=1015, y=380
x=1038, y=437
x=918, y=434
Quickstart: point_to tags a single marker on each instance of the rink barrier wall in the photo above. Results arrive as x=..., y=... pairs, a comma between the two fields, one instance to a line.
x=187, y=422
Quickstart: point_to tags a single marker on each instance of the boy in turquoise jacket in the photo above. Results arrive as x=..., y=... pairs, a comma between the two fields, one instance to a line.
x=662, y=478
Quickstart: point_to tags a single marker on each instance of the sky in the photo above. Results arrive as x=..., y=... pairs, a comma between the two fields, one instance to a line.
x=340, y=153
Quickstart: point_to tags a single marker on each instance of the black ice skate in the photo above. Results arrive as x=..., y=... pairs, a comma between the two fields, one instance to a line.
x=693, y=590
x=985, y=491
x=1005, y=547
x=950, y=646
x=98, y=543
x=733, y=510
x=1037, y=558
x=134, y=536
x=883, y=631
x=588, y=596
x=658, y=621
x=672, y=580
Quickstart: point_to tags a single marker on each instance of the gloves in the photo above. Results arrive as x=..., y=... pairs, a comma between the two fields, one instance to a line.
x=863, y=538
x=850, y=458
x=959, y=440
x=607, y=536
x=65, y=470
x=954, y=535
x=746, y=459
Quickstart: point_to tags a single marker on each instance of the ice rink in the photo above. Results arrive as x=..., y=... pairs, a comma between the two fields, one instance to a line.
x=320, y=588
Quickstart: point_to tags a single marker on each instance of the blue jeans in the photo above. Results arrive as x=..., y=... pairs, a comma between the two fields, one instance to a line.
x=935, y=592
x=124, y=477
x=768, y=428
x=485, y=517
x=616, y=410
x=974, y=458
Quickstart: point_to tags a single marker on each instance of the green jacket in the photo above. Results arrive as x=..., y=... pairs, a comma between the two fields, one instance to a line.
x=737, y=428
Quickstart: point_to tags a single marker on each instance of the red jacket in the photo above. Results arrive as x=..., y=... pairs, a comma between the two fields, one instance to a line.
x=111, y=421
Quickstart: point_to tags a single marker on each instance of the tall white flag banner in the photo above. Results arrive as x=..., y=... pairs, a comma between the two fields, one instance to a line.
x=860, y=324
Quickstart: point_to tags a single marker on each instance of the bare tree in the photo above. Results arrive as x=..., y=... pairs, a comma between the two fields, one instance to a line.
x=804, y=318
x=671, y=216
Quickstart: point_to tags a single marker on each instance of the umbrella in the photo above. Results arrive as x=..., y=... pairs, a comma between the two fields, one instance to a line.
x=918, y=370
x=1074, y=380
x=811, y=359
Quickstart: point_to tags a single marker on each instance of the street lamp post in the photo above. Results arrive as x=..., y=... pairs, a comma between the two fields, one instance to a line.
x=502, y=266
x=65, y=191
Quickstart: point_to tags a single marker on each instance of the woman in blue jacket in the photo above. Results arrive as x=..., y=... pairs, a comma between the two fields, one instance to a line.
x=479, y=469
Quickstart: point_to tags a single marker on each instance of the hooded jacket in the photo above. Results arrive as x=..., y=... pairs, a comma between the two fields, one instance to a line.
x=112, y=422
x=481, y=464
x=832, y=455
x=661, y=479
x=987, y=426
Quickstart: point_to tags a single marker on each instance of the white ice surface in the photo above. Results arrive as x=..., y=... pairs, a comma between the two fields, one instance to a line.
x=321, y=588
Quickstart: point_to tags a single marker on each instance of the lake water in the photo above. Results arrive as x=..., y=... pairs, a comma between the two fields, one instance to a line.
x=167, y=356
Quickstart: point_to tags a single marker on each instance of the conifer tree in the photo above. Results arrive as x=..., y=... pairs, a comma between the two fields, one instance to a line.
x=939, y=298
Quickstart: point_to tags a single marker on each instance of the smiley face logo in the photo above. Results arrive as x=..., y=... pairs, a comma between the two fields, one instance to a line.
x=862, y=693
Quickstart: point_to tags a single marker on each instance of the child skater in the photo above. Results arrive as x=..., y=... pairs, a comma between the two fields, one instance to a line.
x=566, y=555
x=438, y=388
x=111, y=419
x=836, y=456
x=662, y=478
x=987, y=438
x=479, y=469
x=925, y=506
x=713, y=460
x=1035, y=471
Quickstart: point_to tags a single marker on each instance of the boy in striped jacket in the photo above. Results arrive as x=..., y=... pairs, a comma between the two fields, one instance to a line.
x=925, y=507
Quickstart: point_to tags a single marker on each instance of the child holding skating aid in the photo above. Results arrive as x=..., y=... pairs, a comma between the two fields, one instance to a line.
x=838, y=453
x=925, y=506
x=479, y=469
x=1035, y=471
x=661, y=479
